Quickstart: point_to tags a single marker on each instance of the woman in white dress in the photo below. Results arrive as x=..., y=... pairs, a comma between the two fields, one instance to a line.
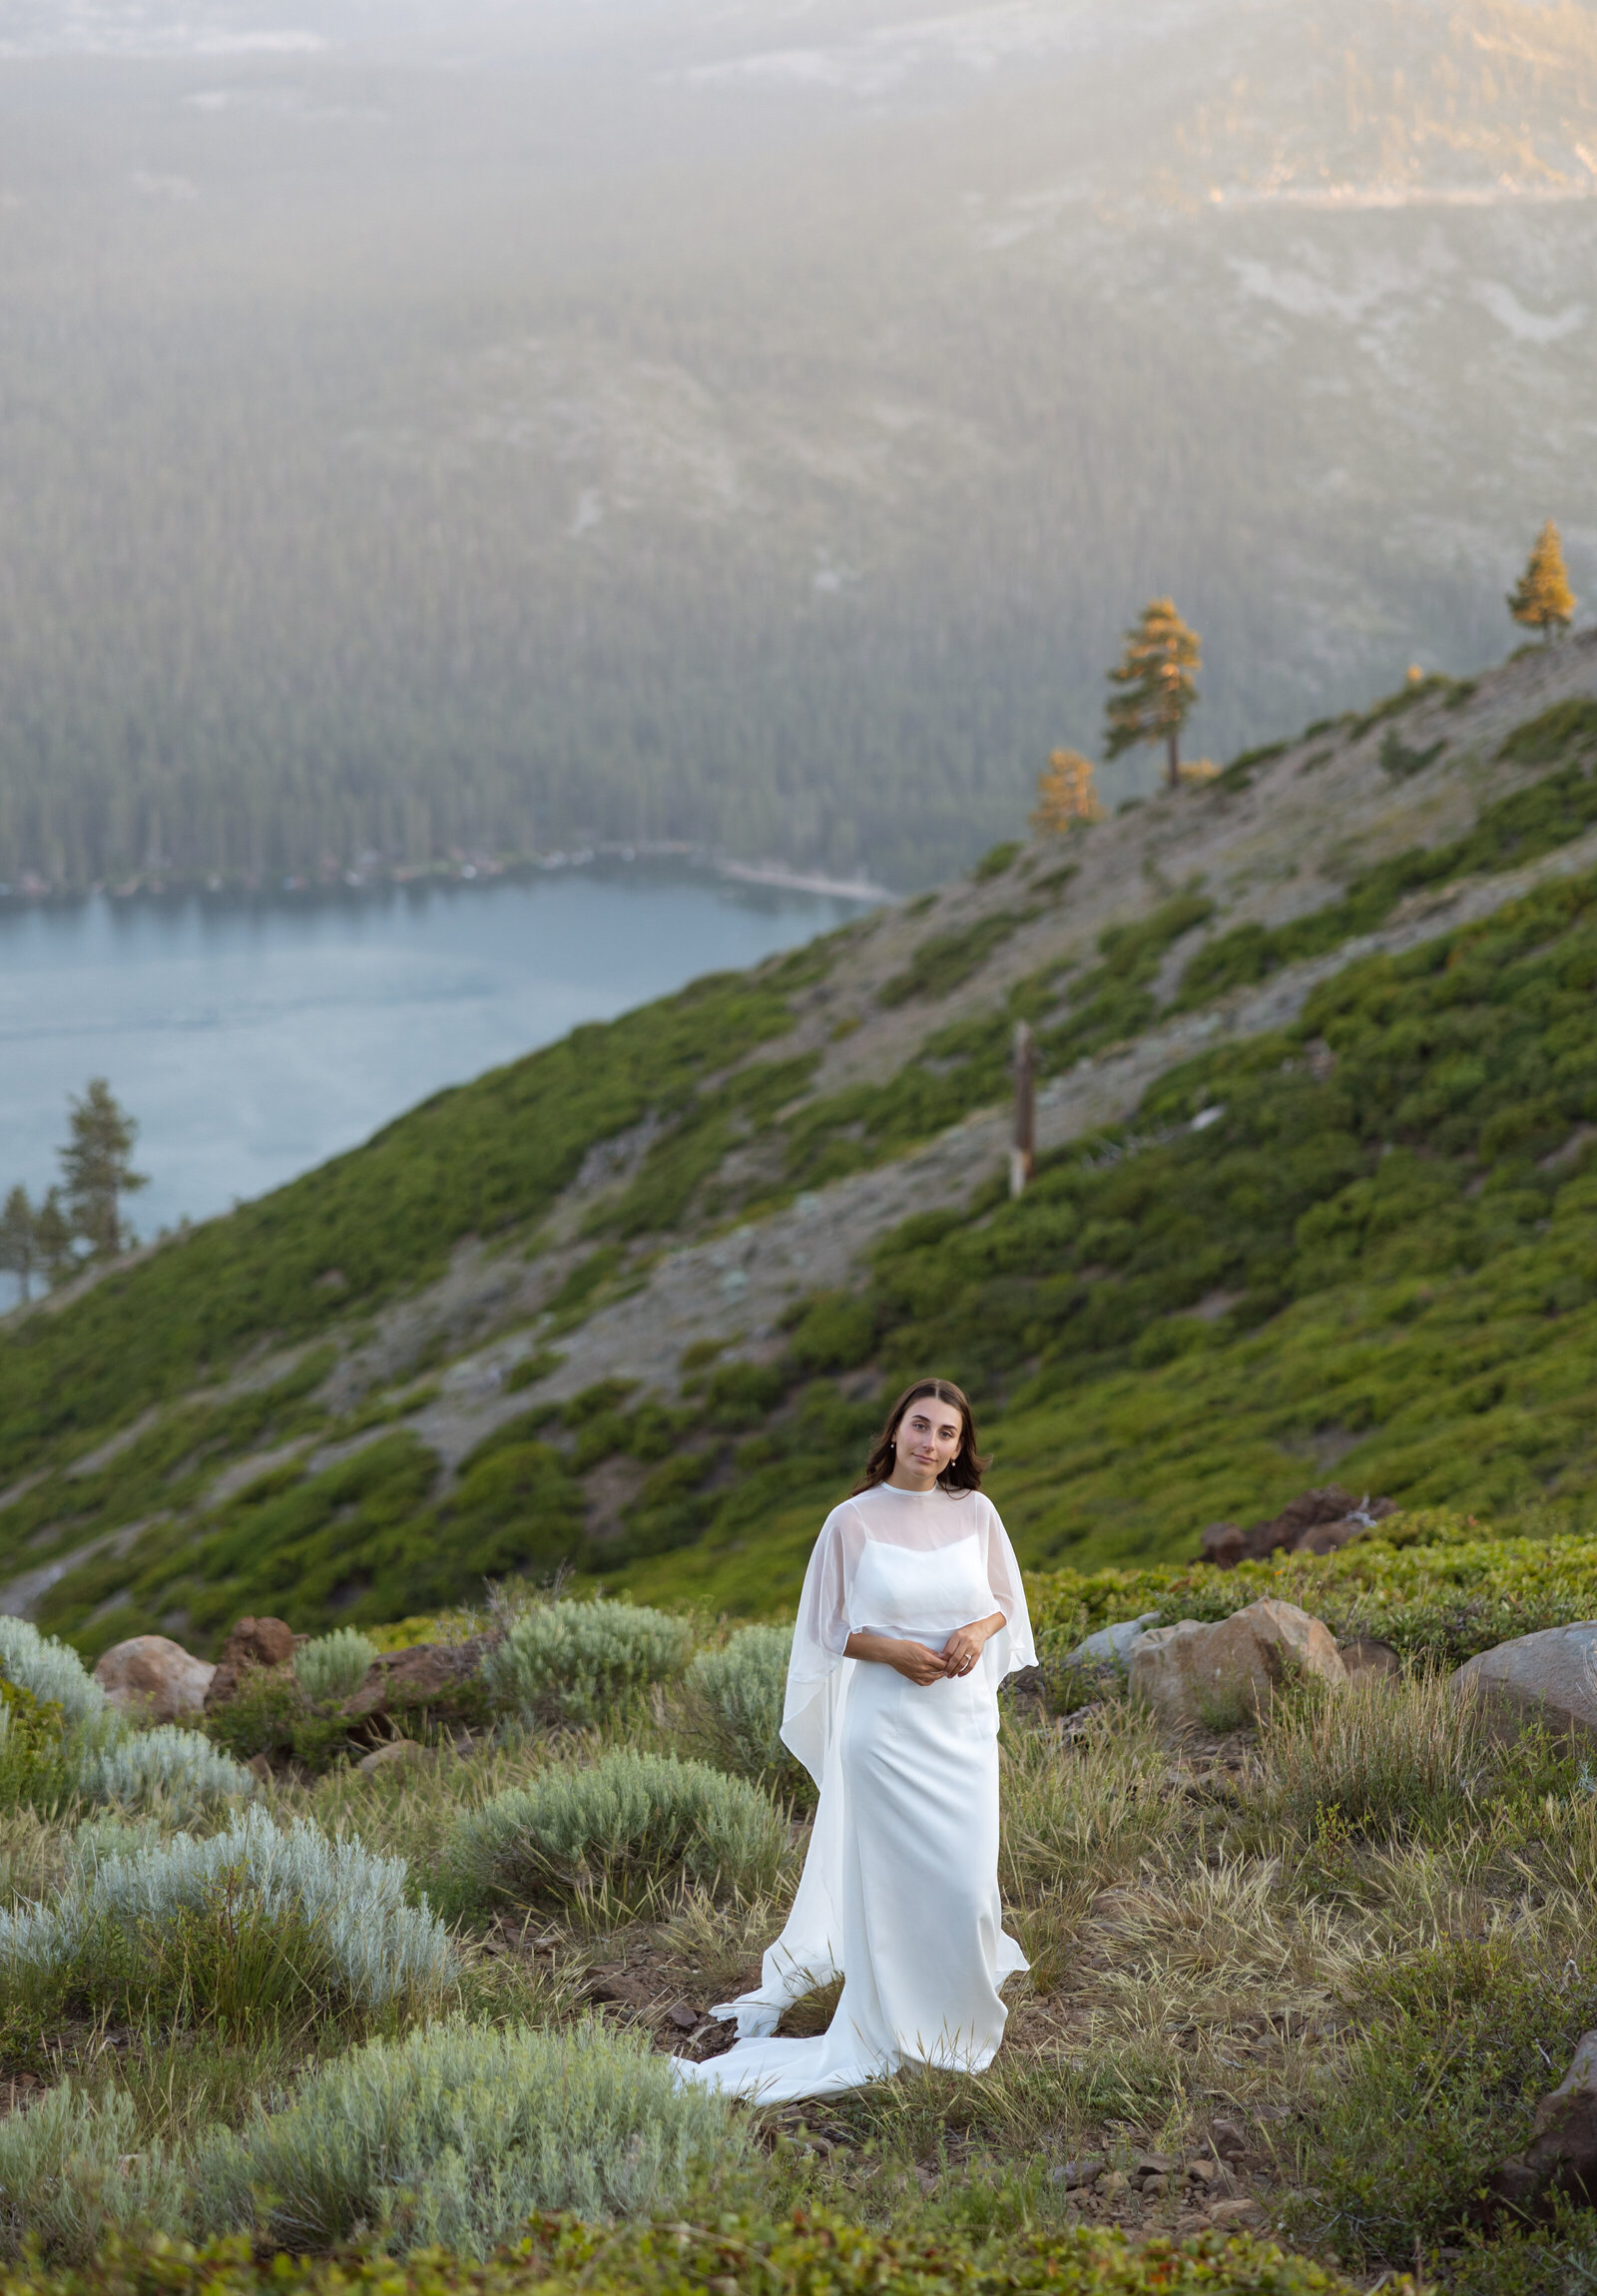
x=912, y=1614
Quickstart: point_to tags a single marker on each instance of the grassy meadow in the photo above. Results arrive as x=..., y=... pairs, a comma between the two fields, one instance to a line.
x=1294, y=1988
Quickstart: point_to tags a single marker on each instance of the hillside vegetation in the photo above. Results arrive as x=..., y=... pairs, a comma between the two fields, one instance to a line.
x=1347, y=1216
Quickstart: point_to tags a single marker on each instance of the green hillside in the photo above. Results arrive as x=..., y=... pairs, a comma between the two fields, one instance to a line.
x=1375, y=1254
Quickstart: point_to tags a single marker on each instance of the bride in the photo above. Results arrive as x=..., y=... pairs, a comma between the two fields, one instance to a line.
x=912, y=1614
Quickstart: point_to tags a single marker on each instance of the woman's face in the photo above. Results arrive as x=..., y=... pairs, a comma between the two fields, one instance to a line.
x=927, y=1439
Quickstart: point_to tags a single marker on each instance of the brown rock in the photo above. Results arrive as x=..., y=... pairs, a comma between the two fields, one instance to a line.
x=1362, y=1656
x=1315, y=1523
x=254, y=1645
x=1549, y=1678
x=430, y=1675
x=1239, y=2212
x=1189, y=1670
x=682, y=2017
x=1561, y=2156
x=1225, y=1544
x=153, y=1678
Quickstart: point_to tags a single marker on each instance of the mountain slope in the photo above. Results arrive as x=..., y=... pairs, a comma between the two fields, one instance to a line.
x=482, y=427
x=633, y=1302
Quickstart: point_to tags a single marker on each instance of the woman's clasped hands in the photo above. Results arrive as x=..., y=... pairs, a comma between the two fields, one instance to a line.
x=918, y=1663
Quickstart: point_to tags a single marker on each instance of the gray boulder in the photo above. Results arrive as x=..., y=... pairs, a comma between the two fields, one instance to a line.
x=1113, y=1645
x=1549, y=1678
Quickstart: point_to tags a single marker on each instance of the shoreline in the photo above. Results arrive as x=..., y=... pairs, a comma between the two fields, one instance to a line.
x=465, y=871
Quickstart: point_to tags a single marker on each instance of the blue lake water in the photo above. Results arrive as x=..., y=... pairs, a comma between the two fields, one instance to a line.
x=252, y=1040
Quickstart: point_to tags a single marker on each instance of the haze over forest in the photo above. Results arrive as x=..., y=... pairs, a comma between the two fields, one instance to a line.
x=749, y=422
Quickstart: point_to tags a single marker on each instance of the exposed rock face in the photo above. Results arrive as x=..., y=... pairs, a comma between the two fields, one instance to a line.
x=254, y=1643
x=1561, y=2156
x=1549, y=1678
x=432, y=1677
x=1317, y=1522
x=1192, y=1672
x=153, y=1678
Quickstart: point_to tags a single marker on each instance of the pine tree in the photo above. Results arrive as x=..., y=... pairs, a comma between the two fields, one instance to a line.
x=1542, y=599
x=1065, y=794
x=18, y=1241
x=1156, y=671
x=52, y=1232
x=95, y=1167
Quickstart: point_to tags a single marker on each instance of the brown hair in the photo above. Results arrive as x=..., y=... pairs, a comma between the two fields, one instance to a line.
x=963, y=1472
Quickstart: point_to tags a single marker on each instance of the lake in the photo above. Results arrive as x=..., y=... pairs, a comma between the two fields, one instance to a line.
x=252, y=1040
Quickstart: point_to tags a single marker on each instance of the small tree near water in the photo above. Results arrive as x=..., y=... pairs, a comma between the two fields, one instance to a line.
x=1542, y=599
x=18, y=1241
x=96, y=1170
x=52, y=1232
x=1155, y=677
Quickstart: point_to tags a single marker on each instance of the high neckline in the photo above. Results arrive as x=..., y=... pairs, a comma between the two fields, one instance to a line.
x=904, y=1491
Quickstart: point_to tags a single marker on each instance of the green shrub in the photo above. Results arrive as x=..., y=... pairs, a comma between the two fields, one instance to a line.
x=944, y=960
x=73, y=2171
x=334, y=1666
x=1451, y=2050
x=39, y=1761
x=262, y=1716
x=453, y=2136
x=583, y=1661
x=732, y=1705
x=615, y=1836
x=253, y=1918
x=179, y=1767
x=996, y=861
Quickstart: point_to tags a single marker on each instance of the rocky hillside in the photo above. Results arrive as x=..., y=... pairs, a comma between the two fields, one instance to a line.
x=1319, y=1070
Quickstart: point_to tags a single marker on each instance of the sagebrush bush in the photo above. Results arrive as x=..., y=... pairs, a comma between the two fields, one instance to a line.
x=53, y=1673
x=454, y=2135
x=181, y=1766
x=334, y=1666
x=206, y=1925
x=581, y=1661
x=731, y=1701
x=73, y=2170
x=614, y=1834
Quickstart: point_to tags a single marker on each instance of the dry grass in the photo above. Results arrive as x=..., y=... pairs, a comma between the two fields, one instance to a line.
x=1379, y=1758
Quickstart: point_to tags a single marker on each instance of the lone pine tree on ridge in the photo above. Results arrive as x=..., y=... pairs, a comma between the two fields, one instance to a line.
x=1154, y=673
x=1542, y=599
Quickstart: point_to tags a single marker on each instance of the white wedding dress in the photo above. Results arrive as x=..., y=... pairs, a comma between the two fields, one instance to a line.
x=900, y=1892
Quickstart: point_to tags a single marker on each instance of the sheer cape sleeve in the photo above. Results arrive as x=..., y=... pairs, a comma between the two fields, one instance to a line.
x=1012, y=1647
x=820, y=1638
